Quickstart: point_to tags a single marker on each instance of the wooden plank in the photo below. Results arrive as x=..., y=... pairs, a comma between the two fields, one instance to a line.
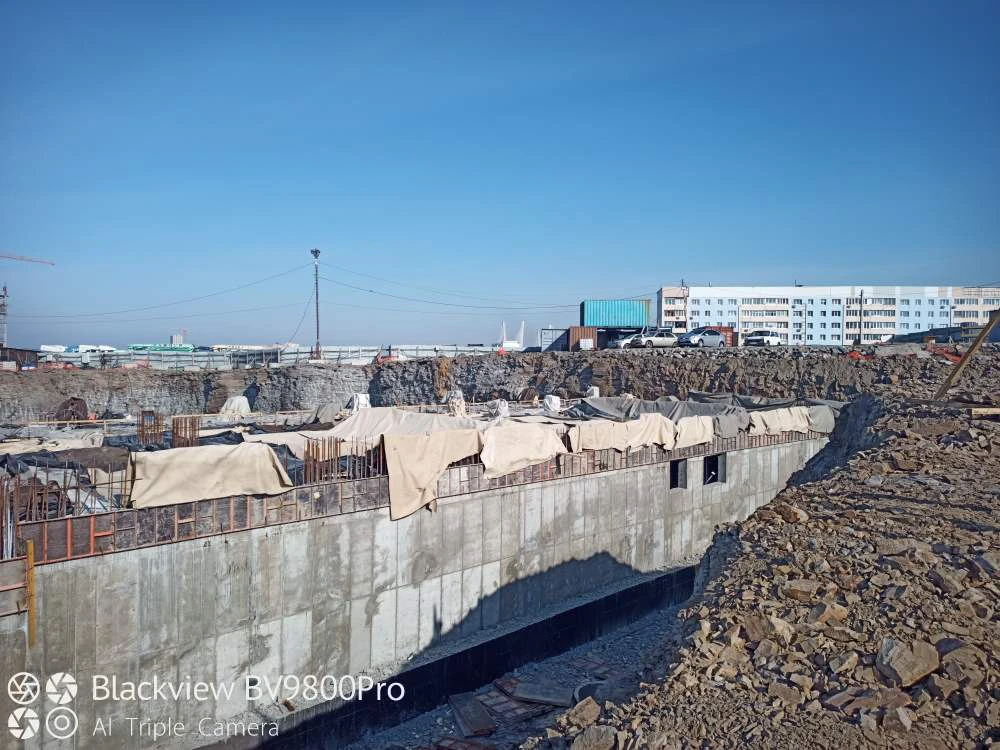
x=543, y=692
x=32, y=602
x=984, y=411
x=510, y=710
x=456, y=743
x=471, y=715
x=956, y=373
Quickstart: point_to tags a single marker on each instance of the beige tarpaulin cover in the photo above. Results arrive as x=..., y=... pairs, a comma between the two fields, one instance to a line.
x=33, y=445
x=294, y=441
x=420, y=447
x=220, y=430
x=822, y=418
x=235, y=407
x=694, y=431
x=415, y=463
x=362, y=431
x=209, y=471
x=511, y=446
x=560, y=425
x=648, y=429
x=776, y=421
x=325, y=413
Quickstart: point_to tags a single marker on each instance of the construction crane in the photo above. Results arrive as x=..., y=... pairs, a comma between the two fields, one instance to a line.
x=3, y=296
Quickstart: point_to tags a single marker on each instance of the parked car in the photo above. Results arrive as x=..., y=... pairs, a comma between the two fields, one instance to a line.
x=701, y=337
x=654, y=337
x=762, y=338
x=623, y=342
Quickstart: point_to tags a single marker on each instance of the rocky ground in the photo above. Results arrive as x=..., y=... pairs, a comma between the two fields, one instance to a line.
x=775, y=372
x=856, y=610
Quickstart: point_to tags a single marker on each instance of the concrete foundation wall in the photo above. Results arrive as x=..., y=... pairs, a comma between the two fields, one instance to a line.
x=358, y=592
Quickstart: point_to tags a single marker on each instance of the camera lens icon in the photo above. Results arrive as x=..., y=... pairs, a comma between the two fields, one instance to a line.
x=61, y=723
x=23, y=688
x=61, y=688
x=23, y=723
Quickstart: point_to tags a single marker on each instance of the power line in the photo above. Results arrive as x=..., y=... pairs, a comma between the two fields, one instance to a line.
x=447, y=304
x=161, y=317
x=302, y=319
x=181, y=301
x=462, y=313
x=436, y=290
x=460, y=294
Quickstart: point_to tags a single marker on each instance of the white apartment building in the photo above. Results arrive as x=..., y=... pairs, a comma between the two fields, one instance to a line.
x=826, y=315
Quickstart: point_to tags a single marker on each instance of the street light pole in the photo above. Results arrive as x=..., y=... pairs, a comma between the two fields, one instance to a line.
x=317, y=351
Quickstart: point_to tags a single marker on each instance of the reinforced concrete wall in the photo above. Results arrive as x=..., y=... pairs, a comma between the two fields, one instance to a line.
x=359, y=593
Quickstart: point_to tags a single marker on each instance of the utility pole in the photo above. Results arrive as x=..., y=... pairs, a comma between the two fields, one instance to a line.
x=317, y=351
x=4, y=298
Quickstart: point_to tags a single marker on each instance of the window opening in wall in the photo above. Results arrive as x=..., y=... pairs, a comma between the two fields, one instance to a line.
x=714, y=469
x=679, y=474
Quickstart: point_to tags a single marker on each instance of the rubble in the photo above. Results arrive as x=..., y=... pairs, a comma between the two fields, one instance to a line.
x=858, y=609
x=902, y=664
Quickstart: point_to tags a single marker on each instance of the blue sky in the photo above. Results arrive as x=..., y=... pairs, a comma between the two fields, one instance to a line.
x=520, y=154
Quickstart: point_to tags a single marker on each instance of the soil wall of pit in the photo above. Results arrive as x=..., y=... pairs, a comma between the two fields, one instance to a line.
x=778, y=373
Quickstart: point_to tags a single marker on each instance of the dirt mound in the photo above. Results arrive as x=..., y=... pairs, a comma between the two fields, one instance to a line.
x=855, y=610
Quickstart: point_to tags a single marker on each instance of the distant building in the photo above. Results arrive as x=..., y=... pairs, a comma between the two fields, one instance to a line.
x=23, y=357
x=826, y=315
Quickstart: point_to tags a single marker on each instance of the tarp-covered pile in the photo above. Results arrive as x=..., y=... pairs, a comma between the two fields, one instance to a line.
x=209, y=471
x=420, y=447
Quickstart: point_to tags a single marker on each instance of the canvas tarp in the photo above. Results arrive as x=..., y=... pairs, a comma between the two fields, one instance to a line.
x=420, y=447
x=561, y=426
x=295, y=441
x=325, y=413
x=510, y=446
x=32, y=445
x=752, y=403
x=822, y=418
x=67, y=438
x=694, y=431
x=776, y=421
x=647, y=429
x=728, y=420
x=416, y=461
x=362, y=431
x=205, y=472
x=236, y=407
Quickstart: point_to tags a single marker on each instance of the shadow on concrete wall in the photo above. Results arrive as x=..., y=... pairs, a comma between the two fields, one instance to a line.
x=454, y=663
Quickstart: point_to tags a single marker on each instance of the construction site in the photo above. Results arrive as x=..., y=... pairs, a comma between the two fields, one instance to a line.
x=499, y=376
x=574, y=550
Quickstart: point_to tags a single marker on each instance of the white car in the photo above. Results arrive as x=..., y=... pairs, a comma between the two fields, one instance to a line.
x=656, y=337
x=762, y=338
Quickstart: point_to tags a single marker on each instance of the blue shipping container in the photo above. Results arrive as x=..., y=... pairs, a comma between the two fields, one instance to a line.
x=615, y=313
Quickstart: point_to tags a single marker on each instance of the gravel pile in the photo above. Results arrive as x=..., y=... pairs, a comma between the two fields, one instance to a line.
x=856, y=610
